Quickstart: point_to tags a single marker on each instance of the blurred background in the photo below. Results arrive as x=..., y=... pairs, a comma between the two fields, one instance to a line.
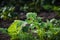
x=17, y=9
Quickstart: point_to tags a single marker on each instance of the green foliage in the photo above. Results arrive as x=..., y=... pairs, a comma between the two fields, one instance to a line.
x=24, y=30
x=51, y=8
x=47, y=7
x=55, y=8
x=7, y=12
x=3, y=30
x=16, y=27
x=20, y=30
x=31, y=15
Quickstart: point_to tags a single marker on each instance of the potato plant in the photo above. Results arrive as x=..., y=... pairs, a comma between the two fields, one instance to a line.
x=33, y=28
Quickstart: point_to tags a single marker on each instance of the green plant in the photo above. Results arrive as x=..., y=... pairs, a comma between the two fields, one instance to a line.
x=3, y=30
x=34, y=27
x=7, y=12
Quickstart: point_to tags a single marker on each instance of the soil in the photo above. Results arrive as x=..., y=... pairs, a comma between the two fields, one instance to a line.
x=4, y=36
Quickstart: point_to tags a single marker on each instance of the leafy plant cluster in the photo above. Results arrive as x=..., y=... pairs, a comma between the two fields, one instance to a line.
x=7, y=12
x=33, y=28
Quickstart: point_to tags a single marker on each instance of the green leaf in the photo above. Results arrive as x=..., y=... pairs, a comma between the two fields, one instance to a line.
x=31, y=15
x=15, y=27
